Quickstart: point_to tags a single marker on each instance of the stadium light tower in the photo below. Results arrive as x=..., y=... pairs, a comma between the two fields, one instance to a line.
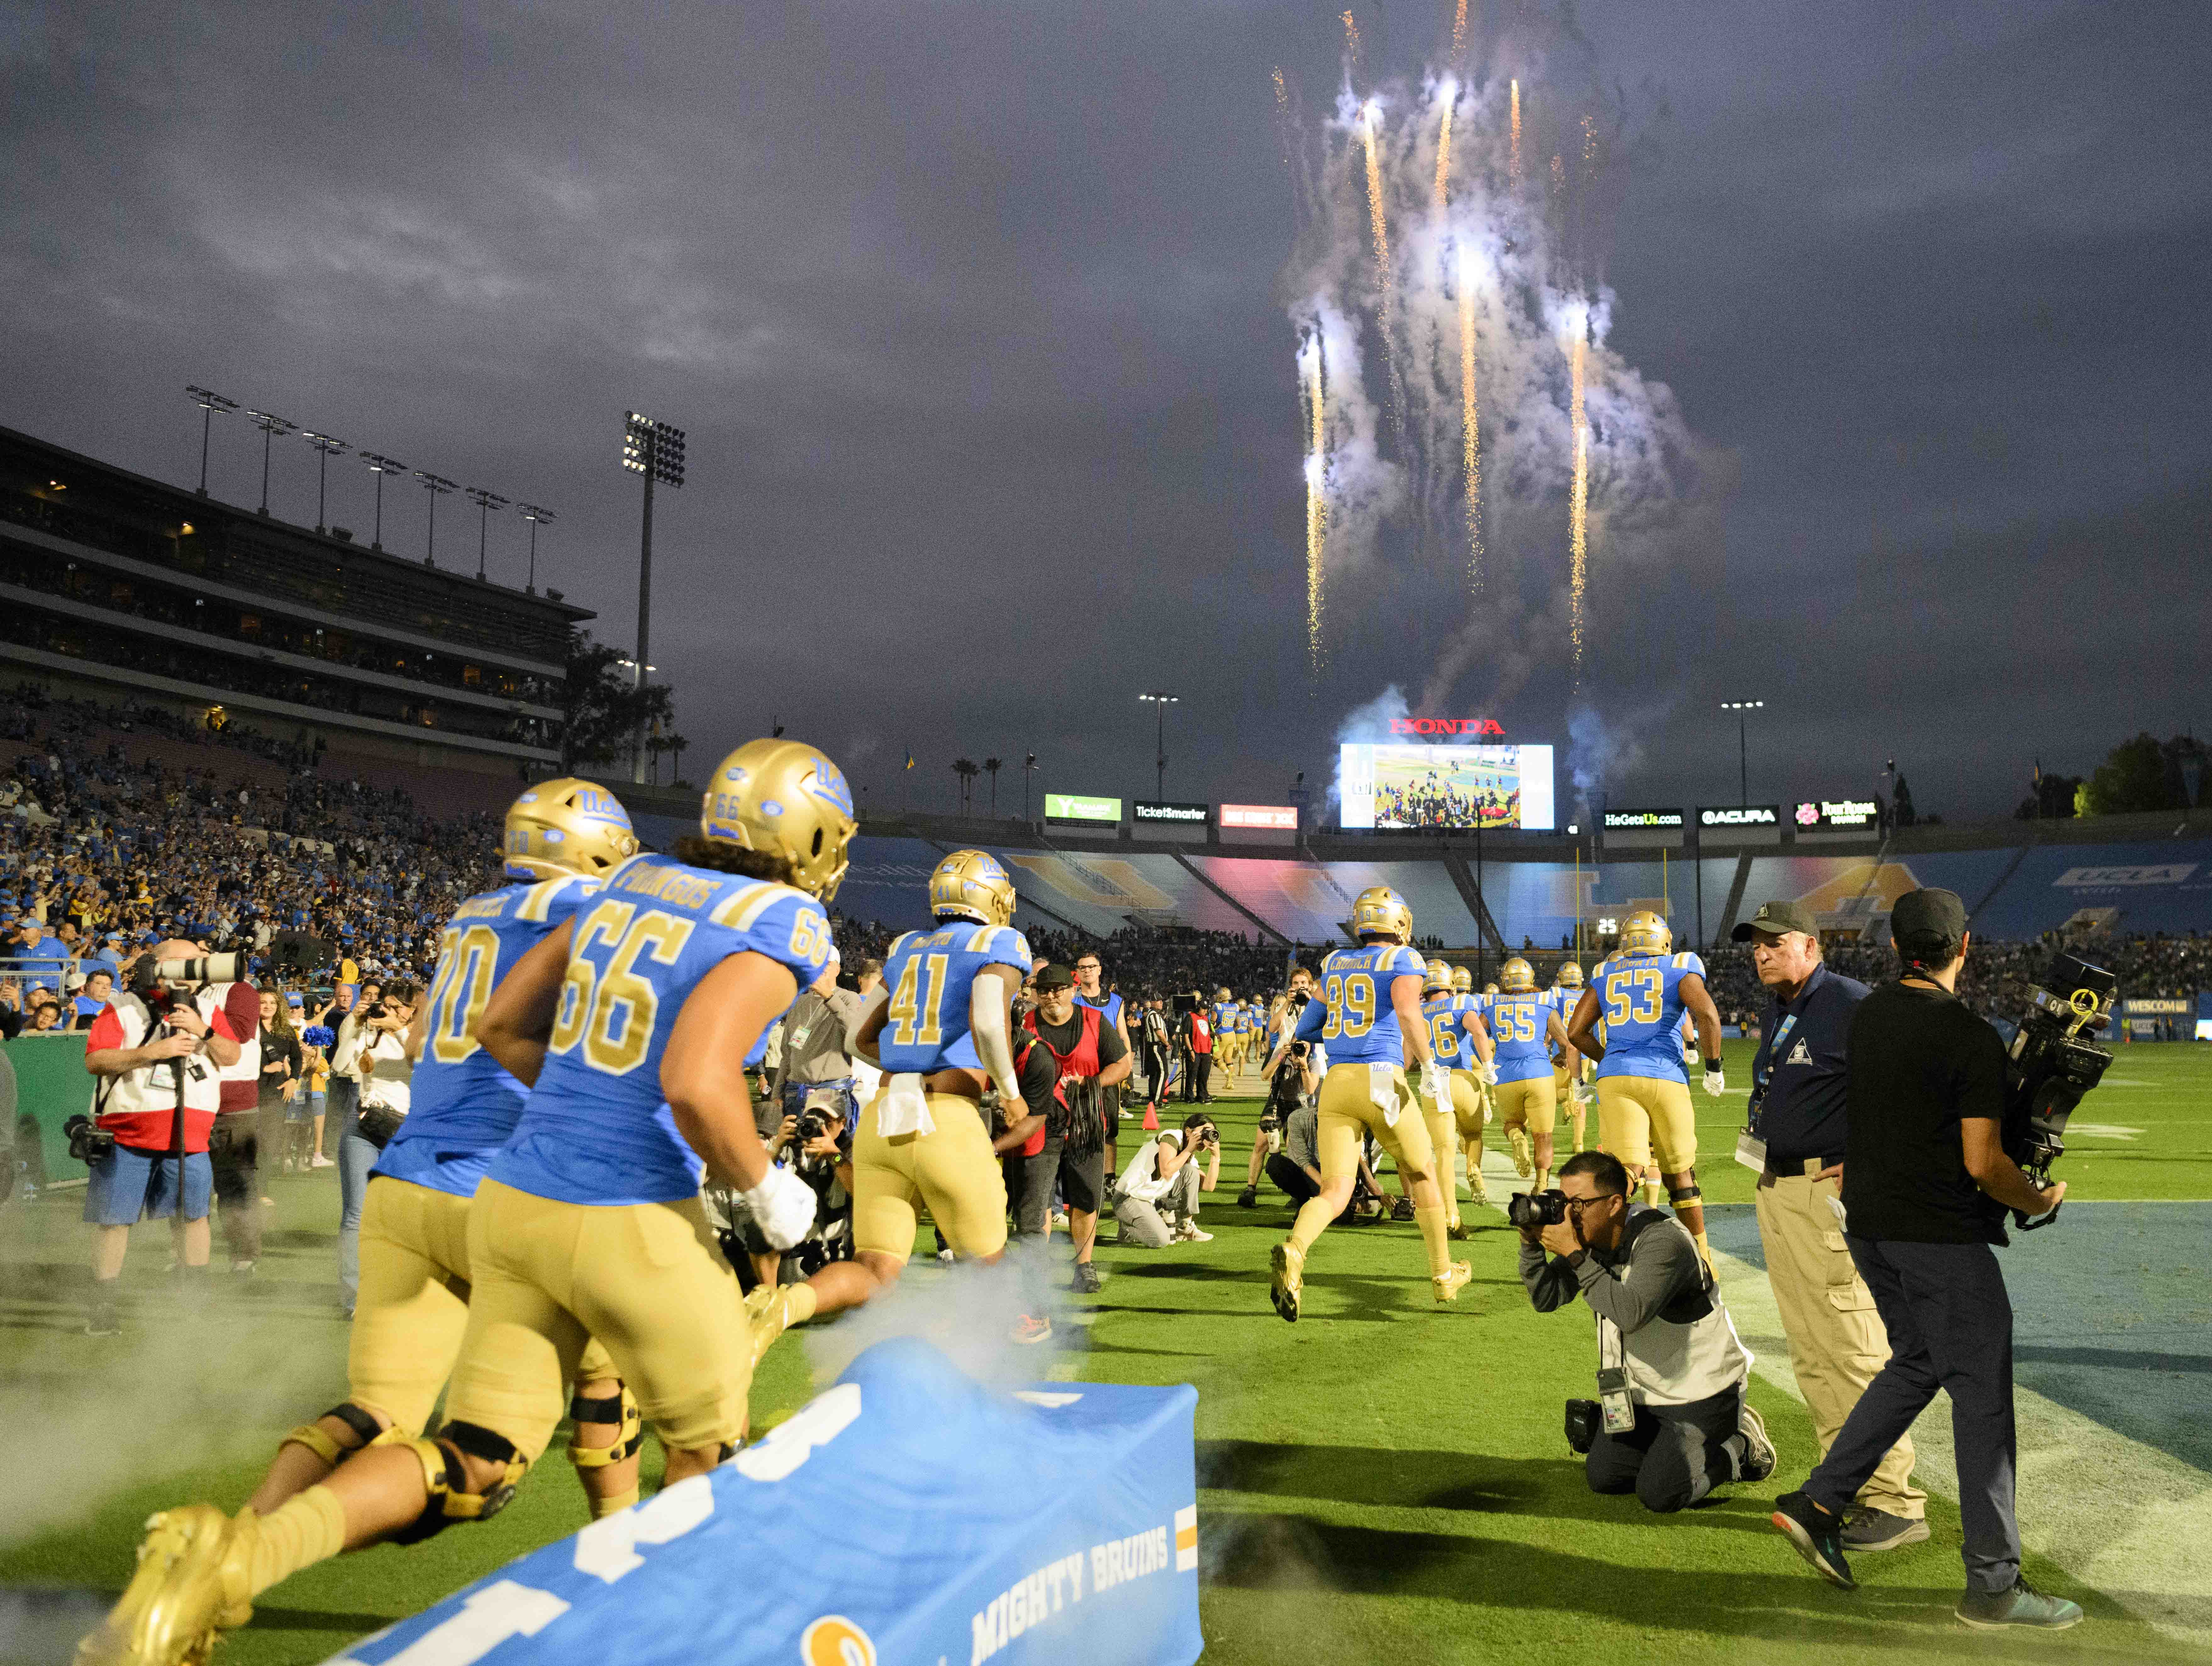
x=1742, y=747
x=437, y=485
x=1160, y=700
x=537, y=517
x=329, y=449
x=270, y=426
x=380, y=466
x=211, y=404
x=485, y=502
x=655, y=450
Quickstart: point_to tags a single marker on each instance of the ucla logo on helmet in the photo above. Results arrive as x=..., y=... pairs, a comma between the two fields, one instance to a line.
x=828, y=784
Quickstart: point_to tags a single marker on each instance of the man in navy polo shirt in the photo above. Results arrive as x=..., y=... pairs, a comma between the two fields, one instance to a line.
x=1799, y=1109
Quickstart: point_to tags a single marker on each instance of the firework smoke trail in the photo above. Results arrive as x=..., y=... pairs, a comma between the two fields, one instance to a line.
x=1316, y=495
x=1449, y=93
x=1387, y=313
x=1470, y=427
x=1459, y=36
x=1578, y=501
x=1352, y=49
x=1513, y=164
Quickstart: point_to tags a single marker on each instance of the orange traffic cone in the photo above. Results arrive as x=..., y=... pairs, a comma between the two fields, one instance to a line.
x=1151, y=1117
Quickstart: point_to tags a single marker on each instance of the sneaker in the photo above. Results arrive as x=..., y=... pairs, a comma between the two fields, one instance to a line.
x=190, y=1580
x=1869, y=1528
x=102, y=1320
x=1818, y=1537
x=1248, y=1198
x=1449, y=1283
x=243, y=1269
x=1403, y=1209
x=1031, y=1329
x=1288, y=1266
x=1057, y=1220
x=1188, y=1233
x=1086, y=1281
x=320, y=1161
x=945, y=1255
x=2023, y=1605
x=1758, y=1461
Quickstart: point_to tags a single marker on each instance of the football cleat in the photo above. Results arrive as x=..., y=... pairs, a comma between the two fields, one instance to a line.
x=1437, y=978
x=190, y=1581
x=567, y=826
x=1287, y=1263
x=1379, y=911
x=1517, y=977
x=1455, y=1229
x=773, y=1318
x=1449, y=1283
x=1032, y=1329
x=971, y=885
x=784, y=798
x=1646, y=932
x=1463, y=981
x=1524, y=1163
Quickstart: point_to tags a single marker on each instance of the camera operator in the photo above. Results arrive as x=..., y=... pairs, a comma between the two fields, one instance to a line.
x=815, y=1143
x=1796, y=1138
x=157, y=1056
x=815, y=1068
x=1926, y=1184
x=1286, y=1089
x=1671, y=1422
x=1156, y=1201
x=375, y=1054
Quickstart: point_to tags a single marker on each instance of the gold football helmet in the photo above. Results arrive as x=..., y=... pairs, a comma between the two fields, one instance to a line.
x=784, y=798
x=1379, y=911
x=567, y=826
x=1490, y=989
x=1437, y=978
x=1517, y=977
x=1646, y=932
x=1570, y=977
x=973, y=885
x=1463, y=981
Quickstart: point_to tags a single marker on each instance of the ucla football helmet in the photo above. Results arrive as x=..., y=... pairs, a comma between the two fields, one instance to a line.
x=1379, y=911
x=1646, y=932
x=1517, y=977
x=1490, y=989
x=786, y=799
x=1437, y=978
x=1463, y=981
x=1570, y=977
x=972, y=884
x=567, y=826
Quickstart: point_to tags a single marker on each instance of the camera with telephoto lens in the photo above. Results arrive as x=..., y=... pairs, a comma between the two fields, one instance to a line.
x=88, y=1141
x=2051, y=1064
x=1547, y=1208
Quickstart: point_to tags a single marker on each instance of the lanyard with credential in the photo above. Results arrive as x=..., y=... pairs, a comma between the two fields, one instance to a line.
x=1760, y=1080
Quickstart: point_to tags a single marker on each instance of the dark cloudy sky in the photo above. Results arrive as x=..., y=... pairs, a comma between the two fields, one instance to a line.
x=971, y=313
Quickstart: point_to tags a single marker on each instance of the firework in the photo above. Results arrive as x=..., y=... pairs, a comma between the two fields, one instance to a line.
x=1449, y=93
x=1579, y=499
x=1513, y=159
x=1459, y=36
x=1351, y=48
x=1470, y=425
x=1378, y=222
x=1309, y=368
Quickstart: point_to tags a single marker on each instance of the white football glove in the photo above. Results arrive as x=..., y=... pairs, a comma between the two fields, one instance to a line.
x=782, y=1207
x=1716, y=1083
x=1434, y=1087
x=1486, y=1071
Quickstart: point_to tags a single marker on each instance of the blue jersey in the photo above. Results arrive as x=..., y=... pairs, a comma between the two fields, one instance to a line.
x=1448, y=1038
x=1641, y=997
x=464, y=1103
x=596, y=1129
x=1110, y=1005
x=1225, y=1018
x=1518, y=1029
x=1563, y=1000
x=931, y=977
x=1354, y=1015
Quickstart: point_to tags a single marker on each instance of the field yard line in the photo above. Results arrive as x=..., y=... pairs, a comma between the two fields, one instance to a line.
x=2123, y=1518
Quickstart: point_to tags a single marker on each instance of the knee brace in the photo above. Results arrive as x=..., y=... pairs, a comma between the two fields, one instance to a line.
x=445, y=1477
x=620, y=1408
x=1688, y=1192
x=319, y=1441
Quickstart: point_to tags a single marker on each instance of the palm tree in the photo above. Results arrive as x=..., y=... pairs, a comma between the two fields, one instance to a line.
x=991, y=767
x=966, y=769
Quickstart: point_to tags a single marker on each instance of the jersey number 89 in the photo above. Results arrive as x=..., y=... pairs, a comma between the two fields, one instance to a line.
x=1351, y=997
x=611, y=1013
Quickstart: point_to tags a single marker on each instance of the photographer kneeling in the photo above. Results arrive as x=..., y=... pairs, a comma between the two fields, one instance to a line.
x=1671, y=1423
x=1157, y=1200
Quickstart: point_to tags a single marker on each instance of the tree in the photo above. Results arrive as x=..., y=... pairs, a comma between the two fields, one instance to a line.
x=601, y=708
x=2133, y=778
x=991, y=767
x=967, y=770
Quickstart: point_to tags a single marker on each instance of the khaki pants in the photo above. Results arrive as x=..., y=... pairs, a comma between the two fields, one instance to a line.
x=1837, y=1343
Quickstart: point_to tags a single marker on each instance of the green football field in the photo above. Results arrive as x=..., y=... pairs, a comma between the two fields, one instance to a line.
x=1385, y=1480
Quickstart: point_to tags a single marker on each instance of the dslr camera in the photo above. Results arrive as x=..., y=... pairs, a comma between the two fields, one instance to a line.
x=160, y=982
x=1546, y=1208
x=2052, y=1065
x=88, y=1141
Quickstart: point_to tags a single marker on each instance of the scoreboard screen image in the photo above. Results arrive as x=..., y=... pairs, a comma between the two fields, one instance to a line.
x=1392, y=787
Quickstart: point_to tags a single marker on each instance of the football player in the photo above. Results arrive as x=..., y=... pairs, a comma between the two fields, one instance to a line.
x=1642, y=993
x=940, y=1029
x=1570, y=1070
x=561, y=838
x=1368, y=1017
x=1227, y=1039
x=1462, y=1045
x=632, y=1023
x=1525, y=1026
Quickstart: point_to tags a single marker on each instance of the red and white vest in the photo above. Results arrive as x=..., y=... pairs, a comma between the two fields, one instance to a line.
x=139, y=1107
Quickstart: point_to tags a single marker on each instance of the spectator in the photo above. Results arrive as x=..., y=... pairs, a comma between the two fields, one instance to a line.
x=373, y=1052
x=1157, y=1199
x=280, y=1079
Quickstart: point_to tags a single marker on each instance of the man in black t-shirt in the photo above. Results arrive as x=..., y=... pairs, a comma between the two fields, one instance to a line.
x=1926, y=1185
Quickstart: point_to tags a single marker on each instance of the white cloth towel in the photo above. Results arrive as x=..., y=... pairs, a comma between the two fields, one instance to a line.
x=903, y=1108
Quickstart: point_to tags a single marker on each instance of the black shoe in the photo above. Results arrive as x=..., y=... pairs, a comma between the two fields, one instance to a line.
x=1818, y=1537
x=1248, y=1198
x=1086, y=1281
x=2023, y=1605
x=1869, y=1528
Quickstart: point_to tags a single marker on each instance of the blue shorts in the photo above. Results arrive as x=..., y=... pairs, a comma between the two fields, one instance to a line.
x=129, y=1185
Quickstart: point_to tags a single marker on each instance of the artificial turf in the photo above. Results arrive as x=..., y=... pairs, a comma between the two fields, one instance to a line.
x=1386, y=1480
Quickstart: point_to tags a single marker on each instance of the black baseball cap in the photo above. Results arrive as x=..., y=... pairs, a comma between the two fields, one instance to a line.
x=1051, y=976
x=1928, y=916
x=1776, y=918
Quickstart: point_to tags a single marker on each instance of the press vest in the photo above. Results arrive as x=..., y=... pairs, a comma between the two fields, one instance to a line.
x=1690, y=1351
